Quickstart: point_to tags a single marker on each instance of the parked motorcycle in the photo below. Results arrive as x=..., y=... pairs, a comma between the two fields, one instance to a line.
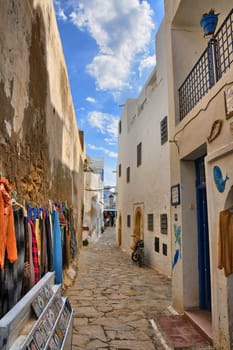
x=138, y=252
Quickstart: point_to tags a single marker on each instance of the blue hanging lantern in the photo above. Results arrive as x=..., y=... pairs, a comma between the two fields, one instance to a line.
x=209, y=22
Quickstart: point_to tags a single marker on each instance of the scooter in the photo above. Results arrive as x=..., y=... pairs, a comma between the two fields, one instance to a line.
x=138, y=252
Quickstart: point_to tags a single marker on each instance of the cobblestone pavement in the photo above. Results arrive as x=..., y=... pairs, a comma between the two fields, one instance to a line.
x=114, y=299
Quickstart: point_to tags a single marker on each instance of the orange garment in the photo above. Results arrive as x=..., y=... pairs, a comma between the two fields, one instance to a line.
x=38, y=239
x=225, y=242
x=7, y=230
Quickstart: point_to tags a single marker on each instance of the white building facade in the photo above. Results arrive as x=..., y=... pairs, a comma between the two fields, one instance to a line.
x=200, y=71
x=93, y=199
x=143, y=178
x=190, y=176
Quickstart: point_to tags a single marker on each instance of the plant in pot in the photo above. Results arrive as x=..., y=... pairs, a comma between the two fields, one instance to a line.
x=85, y=242
x=209, y=22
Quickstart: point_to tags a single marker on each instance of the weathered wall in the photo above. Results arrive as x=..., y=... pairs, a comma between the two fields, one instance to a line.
x=40, y=148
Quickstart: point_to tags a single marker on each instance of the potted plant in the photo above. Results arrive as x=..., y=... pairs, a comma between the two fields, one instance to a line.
x=209, y=22
x=85, y=242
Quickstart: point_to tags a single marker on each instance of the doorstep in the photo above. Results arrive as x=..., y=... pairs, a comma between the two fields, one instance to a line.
x=201, y=319
x=181, y=333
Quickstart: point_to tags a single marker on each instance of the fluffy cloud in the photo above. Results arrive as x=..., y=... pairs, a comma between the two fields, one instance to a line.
x=90, y=99
x=147, y=63
x=122, y=30
x=59, y=11
x=109, y=153
x=105, y=123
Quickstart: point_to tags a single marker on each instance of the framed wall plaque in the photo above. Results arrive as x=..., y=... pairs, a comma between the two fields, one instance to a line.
x=175, y=195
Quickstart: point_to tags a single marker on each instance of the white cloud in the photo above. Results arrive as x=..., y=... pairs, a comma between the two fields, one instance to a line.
x=122, y=30
x=147, y=63
x=104, y=123
x=91, y=99
x=59, y=11
x=109, y=153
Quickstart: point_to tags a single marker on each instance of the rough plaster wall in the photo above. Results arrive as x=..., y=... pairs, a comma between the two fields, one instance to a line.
x=40, y=149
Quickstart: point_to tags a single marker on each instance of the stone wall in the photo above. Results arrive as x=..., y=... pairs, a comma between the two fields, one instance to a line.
x=41, y=149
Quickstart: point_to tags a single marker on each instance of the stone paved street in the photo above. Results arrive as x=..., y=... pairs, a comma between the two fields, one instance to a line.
x=114, y=299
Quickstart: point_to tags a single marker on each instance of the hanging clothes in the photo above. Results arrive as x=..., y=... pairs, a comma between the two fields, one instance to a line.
x=73, y=241
x=8, y=287
x=225, y=242
x=57, y=248
x=43, y=256
x=68, y=238
x=48, y=232
x=29, y=273
x=18, y=267
x=7, y=231
x=11, y=277
x=38, y=239
x=34, y=252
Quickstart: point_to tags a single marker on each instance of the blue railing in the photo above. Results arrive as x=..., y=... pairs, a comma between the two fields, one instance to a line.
x=215, y=60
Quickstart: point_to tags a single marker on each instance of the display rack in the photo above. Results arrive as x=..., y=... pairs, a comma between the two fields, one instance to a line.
x=41, y=320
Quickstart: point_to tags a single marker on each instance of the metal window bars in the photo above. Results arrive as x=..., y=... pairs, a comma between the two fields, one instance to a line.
x=215, y=60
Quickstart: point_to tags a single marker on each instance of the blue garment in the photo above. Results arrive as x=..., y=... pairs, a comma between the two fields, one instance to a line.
x=57, y=248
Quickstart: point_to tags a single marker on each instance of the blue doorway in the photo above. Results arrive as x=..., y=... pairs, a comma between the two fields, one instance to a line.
x=203, y=237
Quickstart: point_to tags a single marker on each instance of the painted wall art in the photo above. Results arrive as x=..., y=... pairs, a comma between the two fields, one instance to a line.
x=219, y=180
x=177, y=255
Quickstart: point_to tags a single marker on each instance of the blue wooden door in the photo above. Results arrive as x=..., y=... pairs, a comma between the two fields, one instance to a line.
x=203, y=237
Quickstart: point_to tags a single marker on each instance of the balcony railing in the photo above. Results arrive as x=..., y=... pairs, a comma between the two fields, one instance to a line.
x=215, y=60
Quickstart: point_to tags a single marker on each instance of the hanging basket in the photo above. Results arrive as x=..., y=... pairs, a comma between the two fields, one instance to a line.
x=209, y=23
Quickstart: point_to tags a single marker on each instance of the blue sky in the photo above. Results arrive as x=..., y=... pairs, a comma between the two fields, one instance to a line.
x=110, y=52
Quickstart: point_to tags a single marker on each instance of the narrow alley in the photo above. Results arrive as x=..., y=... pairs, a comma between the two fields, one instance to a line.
x=115, y=303
x=114, y=300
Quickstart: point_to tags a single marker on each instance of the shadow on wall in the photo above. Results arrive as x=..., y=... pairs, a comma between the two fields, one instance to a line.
x=26, y=154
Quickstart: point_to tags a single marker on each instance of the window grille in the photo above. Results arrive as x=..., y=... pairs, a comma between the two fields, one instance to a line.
x=150, y=222
x=163, y=223
x=163, y=131
x=128, y=221
x=165, y=249
x=119, y=170
x=157, y=244
x=139, y=154
x=128, y=174
x=119, y=127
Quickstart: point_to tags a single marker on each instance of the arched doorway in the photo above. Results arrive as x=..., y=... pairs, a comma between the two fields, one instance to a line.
x=119, y=231
x=138, y=225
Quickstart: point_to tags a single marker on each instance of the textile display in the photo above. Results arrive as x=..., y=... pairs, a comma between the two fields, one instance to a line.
x=33, y=241
x=57, y=248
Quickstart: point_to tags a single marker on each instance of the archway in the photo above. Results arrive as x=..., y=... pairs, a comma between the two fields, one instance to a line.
x=138, y=225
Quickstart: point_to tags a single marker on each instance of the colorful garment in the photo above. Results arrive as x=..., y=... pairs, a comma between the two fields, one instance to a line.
x=49, y=243
x=57, y=248
x=18, y=266
x=35, y=252
x=7, y=231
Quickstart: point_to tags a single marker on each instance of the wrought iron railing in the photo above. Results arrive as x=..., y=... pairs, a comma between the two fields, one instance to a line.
x=215, y=60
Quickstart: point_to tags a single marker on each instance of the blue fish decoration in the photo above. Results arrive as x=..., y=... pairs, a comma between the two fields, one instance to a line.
x=220, y=182
x=175, y=259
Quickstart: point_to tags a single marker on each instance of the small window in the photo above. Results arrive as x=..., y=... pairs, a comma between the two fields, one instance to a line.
x=128, y=174
x=119, y=127
x=139, y=154
x=163, y=223
x=163, y=131
x=128, y=221
x=119, y=170
x=164, y=249
x=157, y=244
x=150, y=222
